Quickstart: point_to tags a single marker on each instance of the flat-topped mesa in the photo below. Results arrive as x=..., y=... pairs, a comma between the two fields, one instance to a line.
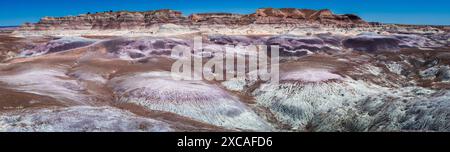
x=142, y=20
x=298, y=16
x=108, y=20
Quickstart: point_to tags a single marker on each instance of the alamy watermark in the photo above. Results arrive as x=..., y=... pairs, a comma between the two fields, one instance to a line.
x=249, y=62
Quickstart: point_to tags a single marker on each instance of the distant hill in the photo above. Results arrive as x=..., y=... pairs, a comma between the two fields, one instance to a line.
x=3, y=27
x=7, y=29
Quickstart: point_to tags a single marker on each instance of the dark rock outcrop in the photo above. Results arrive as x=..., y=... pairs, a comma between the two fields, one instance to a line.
x=372, y=43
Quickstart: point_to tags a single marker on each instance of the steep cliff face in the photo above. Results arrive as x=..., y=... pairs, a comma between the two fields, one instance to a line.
x=140, y=20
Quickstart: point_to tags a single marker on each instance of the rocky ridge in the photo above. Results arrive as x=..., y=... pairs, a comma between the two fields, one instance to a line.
x=142, y=20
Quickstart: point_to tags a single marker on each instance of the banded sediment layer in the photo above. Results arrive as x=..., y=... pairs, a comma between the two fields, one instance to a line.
x=142, y=20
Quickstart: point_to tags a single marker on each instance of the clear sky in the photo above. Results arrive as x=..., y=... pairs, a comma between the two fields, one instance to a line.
x=16, y=12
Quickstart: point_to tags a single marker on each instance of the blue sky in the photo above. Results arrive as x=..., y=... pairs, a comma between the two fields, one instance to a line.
x=16, y=12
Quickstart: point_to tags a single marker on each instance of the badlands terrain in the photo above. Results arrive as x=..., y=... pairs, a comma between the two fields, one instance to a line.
x=111, y=71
